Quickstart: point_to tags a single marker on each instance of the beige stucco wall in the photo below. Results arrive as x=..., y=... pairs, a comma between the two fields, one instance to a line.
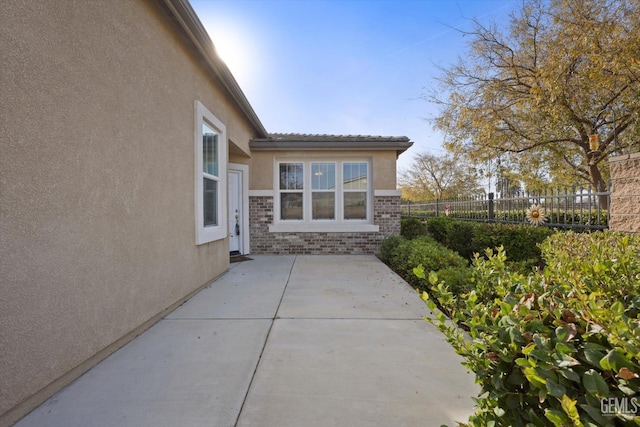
x=97, y=183
x=624, y=212
x=383, y=166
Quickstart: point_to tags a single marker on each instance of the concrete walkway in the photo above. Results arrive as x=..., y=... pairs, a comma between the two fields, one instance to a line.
x=279, y=341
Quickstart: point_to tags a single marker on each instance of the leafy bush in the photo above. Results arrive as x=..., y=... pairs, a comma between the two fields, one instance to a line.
x=388, y=247
x=547, y=348
x=460, y=237
x=404, y=255
x=439, y=227
x=467, y=238
x=612, y=257
x=410, y=228
x=458, y=279
x=556, y=217
x=520, y=242
x=454, y=234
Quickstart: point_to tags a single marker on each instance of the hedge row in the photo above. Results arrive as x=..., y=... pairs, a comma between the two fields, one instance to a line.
x=403, y=255
x=558, y=347
x=584, y=217
x=466, y=238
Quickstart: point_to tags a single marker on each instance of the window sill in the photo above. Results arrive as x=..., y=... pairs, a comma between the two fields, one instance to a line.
x=324, y=228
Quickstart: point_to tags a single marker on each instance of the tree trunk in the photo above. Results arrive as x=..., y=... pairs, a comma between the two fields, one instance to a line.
x=599, y=185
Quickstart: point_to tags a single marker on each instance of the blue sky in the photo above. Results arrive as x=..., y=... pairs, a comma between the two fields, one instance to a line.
x=344, y=67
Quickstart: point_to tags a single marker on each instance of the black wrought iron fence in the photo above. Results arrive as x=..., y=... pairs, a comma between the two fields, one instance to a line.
x=583, y=208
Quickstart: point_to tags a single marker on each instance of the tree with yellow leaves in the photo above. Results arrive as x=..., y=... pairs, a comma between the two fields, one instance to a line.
x=438, y=177
x=559, y=88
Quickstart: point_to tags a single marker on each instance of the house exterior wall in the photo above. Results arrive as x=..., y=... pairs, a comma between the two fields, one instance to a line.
x=386, y=207
x=97, y=217
x=624, y=210
x=386, y=216
x=383, y=165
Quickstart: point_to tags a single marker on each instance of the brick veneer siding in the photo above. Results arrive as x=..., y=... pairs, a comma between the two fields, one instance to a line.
x=386, y=214
x=624, y=211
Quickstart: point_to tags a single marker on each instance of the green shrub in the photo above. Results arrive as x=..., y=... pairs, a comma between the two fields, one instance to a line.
x=388, y=247
x=460, y=237
x=520, y=242
x=404, y=255
x=548, y=347
x=423, y=251
x=458, y=279
x=439, y=228
x=555, y=216
x=410, y=228
x=611, y=257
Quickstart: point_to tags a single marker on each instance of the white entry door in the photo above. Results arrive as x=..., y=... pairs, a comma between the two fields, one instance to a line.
x=235, y=214
x=238, y=208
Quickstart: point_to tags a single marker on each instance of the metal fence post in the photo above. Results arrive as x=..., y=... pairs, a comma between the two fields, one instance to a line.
x=491, y=211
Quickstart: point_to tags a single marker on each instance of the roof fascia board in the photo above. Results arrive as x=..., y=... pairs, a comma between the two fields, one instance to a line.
x=329, y=145
x=190, y=23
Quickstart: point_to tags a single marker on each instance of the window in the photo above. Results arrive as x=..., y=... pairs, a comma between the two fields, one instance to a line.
x=291, y=188
x=211, y=171
x=354, y=183
x=323, y=195
x=210, y=175
x=323, y=191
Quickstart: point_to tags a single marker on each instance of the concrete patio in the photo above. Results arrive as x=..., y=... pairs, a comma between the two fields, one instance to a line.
x=279, y=341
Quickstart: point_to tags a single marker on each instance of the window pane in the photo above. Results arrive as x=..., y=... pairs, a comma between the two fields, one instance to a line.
x=323, y=205
x=323, y=176
x=290, y=205
x=354, y=176
x=209, y=150
x=355, y=205
x=291, y=176
x=210, y=199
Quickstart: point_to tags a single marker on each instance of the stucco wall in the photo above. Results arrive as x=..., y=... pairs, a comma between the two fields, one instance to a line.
x=383, y=165
x=624, y=212
x=97, y=184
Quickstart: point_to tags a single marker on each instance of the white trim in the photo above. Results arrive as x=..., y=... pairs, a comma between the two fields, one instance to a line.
x=261, y=193
x=382, y=193
x=324, y=227
x=307, y=224
x=244, y=169
x=218, y=232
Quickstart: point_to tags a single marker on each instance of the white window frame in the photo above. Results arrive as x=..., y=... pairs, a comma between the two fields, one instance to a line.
x=334, y=191
x=307, y=224
x=215, y=232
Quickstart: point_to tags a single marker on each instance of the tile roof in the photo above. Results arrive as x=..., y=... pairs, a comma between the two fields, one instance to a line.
x=305, y=137
x=303, y=141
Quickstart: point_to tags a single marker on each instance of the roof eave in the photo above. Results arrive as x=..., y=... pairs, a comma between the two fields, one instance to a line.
x=271, y=145
x=193, y=28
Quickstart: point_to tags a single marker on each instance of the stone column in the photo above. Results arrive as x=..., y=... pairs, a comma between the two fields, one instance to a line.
x=624, y=210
